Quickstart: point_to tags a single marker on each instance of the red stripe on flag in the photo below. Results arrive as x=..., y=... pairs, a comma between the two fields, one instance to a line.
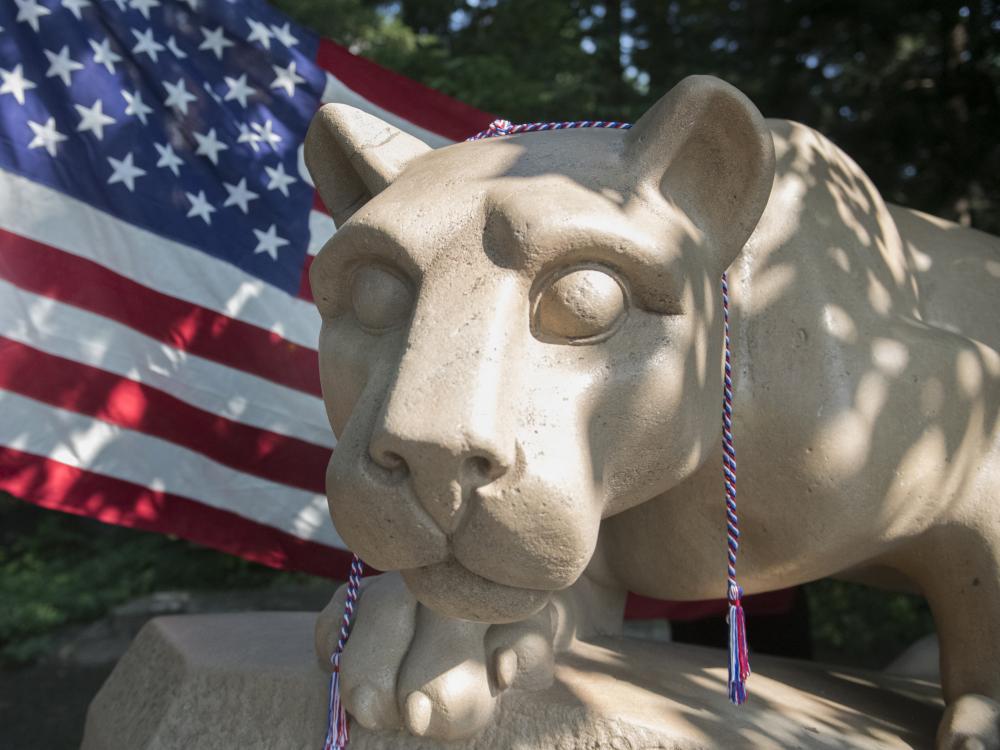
x=305, y=290
x=419, y=104
x=88, y=390
x=55, y=485
x=83, y=283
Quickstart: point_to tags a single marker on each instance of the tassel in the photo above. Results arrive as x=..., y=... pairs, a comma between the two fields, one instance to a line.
x=337, y=731
x=739, y=656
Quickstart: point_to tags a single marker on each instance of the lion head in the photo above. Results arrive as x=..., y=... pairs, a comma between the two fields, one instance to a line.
x=521, y=335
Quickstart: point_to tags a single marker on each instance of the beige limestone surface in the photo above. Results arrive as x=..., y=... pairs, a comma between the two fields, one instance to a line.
x=521, y=357
x=250, y=681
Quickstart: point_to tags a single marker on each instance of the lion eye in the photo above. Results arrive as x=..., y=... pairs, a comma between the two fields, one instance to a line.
x=580, y=306
x=381, y=300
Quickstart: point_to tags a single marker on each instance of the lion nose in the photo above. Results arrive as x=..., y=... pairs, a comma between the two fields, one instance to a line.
x=444, y=474
x=446, y=422
x=475, y=466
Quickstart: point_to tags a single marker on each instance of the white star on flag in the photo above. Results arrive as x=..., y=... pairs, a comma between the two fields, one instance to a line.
x=269, y=242
x=238, y=89
x=30, y=11
x=286, y=78
x=168, y=159
x=75, y=6
x=125, y=171
x=143, y=6
x=259, y=33
x=200, y=206
x=46, y=136
x=92, y=118
x=209, y=146
x=239, y=195
x=284, y=34
x=15, y=83
x=136, y=106
x=146, y=44
x=278, y=179
x=178, y=96
x=61, y=65
x=266, y=133
x=103, y=54
x=214, y=41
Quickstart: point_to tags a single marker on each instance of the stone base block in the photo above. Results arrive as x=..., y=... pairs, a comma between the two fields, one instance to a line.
x=251, y=681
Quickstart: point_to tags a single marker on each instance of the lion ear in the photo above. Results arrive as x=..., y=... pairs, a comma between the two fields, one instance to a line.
x=352, y=156
x=707, y=149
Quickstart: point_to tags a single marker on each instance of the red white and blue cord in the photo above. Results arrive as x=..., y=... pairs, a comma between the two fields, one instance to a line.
x=739, y=658
x=505, y=127
x=337, y=728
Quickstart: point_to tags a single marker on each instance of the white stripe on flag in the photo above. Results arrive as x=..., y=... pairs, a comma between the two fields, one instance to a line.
x=321, y=228
x=73, y=333
x=97, y=446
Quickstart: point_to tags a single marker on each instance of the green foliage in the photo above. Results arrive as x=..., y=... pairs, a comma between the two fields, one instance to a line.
x=57, y=569
x=910, y=90
x=864, y=626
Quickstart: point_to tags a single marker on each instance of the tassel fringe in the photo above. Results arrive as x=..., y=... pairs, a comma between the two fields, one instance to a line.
x=337, y=730
x=739, y=656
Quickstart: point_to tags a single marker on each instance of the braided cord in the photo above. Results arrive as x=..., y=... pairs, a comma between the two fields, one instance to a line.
x=353, y=591
x=505, y=127
x=729, y=451
x=739, y=654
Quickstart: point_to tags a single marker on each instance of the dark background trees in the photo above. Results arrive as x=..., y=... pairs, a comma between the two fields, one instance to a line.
x=911, y=90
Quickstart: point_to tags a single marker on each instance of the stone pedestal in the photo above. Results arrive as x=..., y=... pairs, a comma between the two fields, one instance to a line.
x=251, y=681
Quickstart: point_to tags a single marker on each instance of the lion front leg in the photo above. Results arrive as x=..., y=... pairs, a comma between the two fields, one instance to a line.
x=958, y=568
x=405, y=666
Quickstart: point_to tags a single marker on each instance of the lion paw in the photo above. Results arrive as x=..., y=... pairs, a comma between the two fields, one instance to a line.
x=970, y=723
x=406, y=666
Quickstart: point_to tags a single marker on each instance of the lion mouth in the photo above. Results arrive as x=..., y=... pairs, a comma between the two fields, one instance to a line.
x=453, y=590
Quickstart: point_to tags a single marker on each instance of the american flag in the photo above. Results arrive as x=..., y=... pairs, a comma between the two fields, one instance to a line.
x=157, y=343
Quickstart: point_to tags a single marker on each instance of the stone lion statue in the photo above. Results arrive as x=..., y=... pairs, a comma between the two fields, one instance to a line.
x=521, y=357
